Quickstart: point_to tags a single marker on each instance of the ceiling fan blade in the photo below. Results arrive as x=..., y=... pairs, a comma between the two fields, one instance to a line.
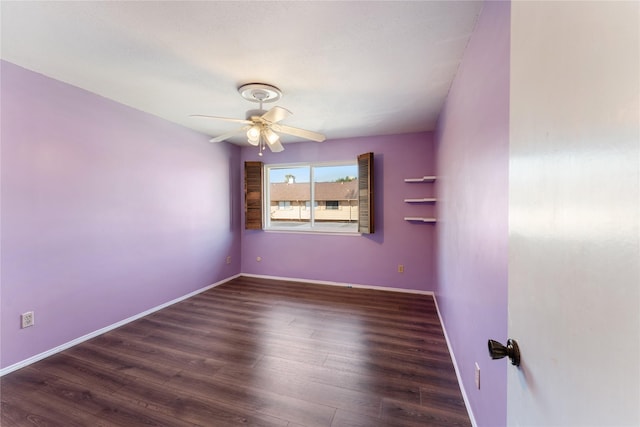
x=276, y=146
x=229, y=134
x=302, y=133
x=226, y=119
x=276, y=114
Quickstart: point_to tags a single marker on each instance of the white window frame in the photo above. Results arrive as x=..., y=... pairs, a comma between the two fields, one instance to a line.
x=313, y=226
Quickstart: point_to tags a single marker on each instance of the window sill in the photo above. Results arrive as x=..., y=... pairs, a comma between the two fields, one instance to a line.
x=310, y=231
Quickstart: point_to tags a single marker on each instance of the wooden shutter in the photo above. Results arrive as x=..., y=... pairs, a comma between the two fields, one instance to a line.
x=365, y=193
x=253, y=195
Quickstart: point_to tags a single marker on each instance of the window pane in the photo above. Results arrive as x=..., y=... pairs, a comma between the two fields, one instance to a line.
x=336, y=191
x=289, y=191
x=307, y=204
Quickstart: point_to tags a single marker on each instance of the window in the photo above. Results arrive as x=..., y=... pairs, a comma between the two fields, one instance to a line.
x=327, y=197
x=332, y=190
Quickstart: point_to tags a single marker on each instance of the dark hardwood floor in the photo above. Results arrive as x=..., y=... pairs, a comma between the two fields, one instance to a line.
x=252, y=352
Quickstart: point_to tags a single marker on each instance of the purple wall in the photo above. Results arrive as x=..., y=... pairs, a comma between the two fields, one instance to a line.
x=364, y=260
x=473, y=165
x=106, y=212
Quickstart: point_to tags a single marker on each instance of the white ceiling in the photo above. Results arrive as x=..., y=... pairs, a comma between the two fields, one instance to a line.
x=346, y=68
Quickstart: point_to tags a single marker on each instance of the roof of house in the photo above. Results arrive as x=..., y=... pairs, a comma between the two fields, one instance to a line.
x=323, y=191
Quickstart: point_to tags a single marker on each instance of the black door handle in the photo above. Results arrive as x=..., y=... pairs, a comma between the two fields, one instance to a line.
x=498, y=351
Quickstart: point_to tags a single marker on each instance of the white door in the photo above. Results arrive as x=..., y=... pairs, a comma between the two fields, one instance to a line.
x=574, y=275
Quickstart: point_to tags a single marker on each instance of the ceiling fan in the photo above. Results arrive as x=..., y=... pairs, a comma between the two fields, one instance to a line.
x=260, y=125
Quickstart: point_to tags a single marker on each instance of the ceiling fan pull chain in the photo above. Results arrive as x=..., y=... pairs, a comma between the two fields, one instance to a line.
x=260, y=145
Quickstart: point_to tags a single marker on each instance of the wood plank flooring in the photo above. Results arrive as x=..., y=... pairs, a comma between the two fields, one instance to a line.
x=253, y=352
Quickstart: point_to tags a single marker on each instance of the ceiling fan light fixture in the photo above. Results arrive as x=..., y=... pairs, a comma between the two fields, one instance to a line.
x=271, y=136
x=253, y=134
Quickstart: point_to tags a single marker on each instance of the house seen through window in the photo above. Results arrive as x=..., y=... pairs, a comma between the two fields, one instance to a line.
x=292, y=190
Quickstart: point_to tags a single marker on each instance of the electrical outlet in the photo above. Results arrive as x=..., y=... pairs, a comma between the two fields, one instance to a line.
x=400, y=268
x=27, y=319
x=228, y=260
x=477, y=376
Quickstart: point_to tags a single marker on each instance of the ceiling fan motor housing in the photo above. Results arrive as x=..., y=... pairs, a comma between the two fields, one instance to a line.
x=254, y=113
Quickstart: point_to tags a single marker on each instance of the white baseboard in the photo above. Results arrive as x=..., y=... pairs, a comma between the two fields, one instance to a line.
x=100, y=331
x=344, y=285
x=455, y=367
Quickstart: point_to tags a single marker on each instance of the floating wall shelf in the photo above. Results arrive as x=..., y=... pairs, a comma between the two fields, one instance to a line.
x=423, y=200
x=419, y=219
x=421, y=179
